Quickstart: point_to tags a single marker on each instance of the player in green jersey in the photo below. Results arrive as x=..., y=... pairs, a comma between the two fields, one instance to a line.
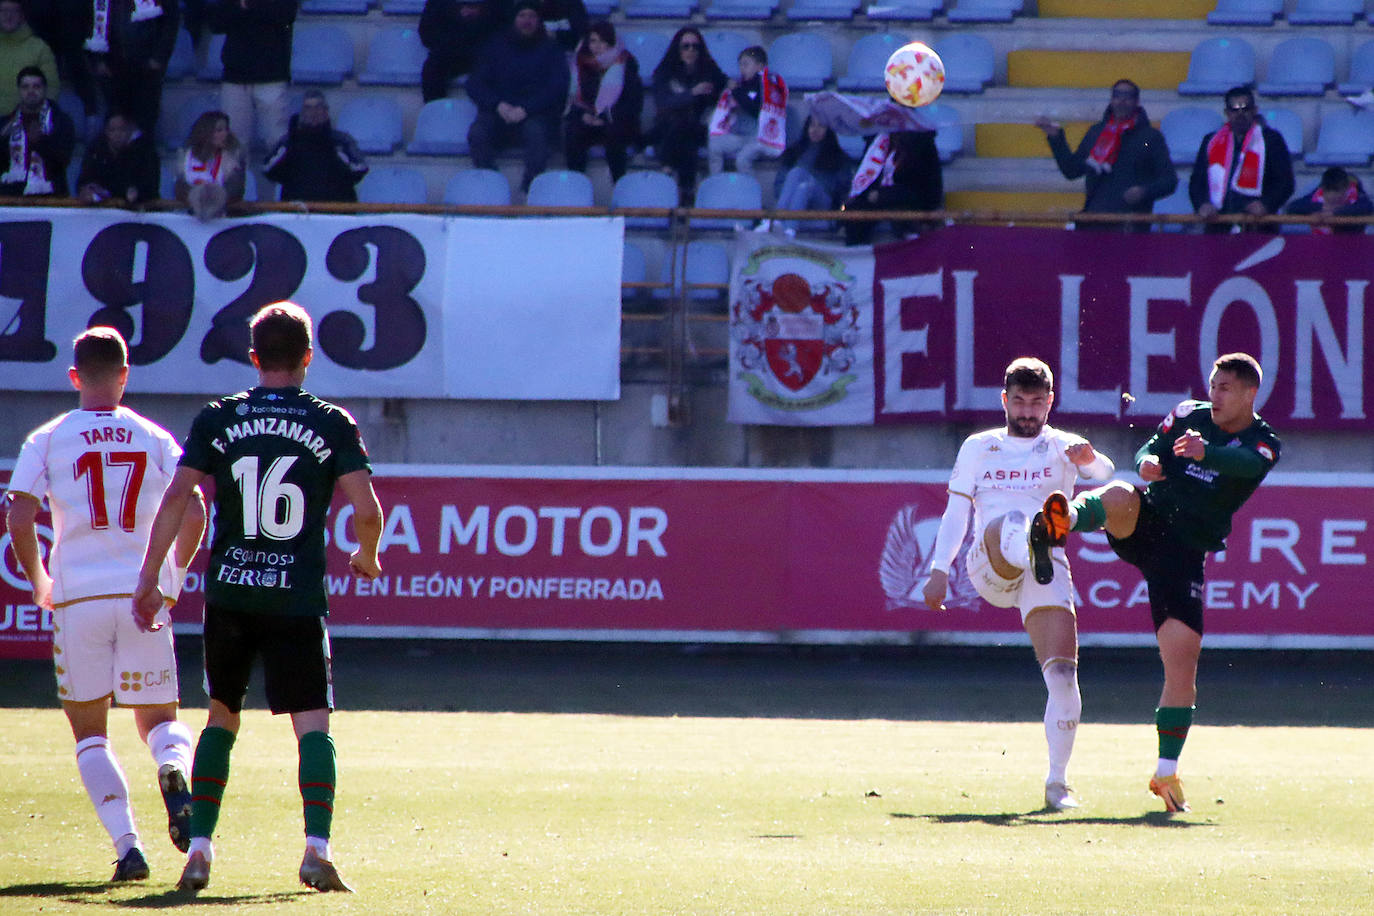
x=1200, y=466
x=275, y=453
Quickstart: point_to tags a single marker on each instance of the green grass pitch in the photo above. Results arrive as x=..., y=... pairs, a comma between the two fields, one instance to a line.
x=494, y=813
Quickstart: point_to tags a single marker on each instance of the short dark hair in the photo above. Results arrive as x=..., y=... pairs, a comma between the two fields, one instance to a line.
x=1242, y=365
x=99, y=353
x=757, y=53
x=30, y=70
x=1335, y=179
x=1125, y=82
x=1236, y=92
x=280, y=335
x=1028, y=374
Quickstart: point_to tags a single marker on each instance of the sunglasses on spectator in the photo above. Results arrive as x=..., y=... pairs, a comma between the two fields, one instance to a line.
x=1239, y=108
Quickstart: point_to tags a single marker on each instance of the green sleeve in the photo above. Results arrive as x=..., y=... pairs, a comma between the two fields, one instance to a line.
x=1158, y=445
x=1234, y=460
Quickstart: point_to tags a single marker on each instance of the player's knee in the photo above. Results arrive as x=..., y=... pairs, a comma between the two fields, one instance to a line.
x=1061, y=680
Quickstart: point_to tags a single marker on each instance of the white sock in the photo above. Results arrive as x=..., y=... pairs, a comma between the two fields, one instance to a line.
x=321, y=847
x=108, y=790
x=201, y=844
x=1014, y=544
x=170, y=742
x=1063, y=707
x=1166, y=767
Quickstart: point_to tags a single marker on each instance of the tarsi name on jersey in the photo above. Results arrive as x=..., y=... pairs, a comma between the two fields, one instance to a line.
x=101, y=434
x=273, y=426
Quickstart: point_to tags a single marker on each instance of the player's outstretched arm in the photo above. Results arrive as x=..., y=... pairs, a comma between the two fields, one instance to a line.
x=167, y=526
x=367, y=522
x=1091, y=464
x=23, y=530
x=953, y=524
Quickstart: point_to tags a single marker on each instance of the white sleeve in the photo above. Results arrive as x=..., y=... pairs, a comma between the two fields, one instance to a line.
x=1101, y=468
x=30, y=474
x=950, y=538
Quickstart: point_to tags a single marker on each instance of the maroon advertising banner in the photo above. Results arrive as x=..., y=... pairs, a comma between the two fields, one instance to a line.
x=750, y=556
x=1130, y=324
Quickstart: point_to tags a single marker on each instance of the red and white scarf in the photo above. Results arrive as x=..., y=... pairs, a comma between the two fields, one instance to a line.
x=197, y=172
x=99, y=42
x=772, y=112
x=1352, y=194
x=1108, y=145
x=611, y=63
x=878, y=165
x=1249, y=174
x=25, y=164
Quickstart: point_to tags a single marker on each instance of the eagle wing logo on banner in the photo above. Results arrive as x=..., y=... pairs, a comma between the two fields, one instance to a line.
x=904, y=565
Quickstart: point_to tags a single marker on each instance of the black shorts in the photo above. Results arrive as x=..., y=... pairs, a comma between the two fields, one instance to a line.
x=1173, y=570
x=295, y=659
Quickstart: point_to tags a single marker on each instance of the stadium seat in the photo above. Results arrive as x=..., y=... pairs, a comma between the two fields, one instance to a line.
x=1288, y=123
x=441, y=128
x=648, y=49
x=864, y=70
x=212, y=70
x=903, y=10
x=601, y=9
x=560, y=188
x=394, y=58
x=658, y=9
x=984, y=10
x=1361, y=71
x=1300, y=66
x=727, y=191
x=1175, y=204
x=726, y=45
x=321, y=54
x=1345, y=138
x=484, y=187
x=174, y=130
x=1245, y=12
x=1326, y=12
x=761, y=10
x=1184, y=128
x=374, y=121
x=949, y=130
x=402, y=7
x=839, y=10
x=1217, y=64
x=182, y=63
x=393, y=184
x=803, y=58
x=970, y=62
x=707, y=262
x=644, y=189
x=335, y=7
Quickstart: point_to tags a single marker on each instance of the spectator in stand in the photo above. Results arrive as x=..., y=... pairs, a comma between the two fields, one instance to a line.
x=314, y=161
x=454, y=31
x=58, y=24
x=900, y=171
x=21, y=48
x=1338, y=194
x=39, y=138
x=1242, y=167
x=565, y=21
x=520, y=87
x=1126, y=160
x=750, y=119
x=257, y=64
x=606, y=101
x=686, y=84
x=121, y=164
x=129, y=43
x=813, y=173
x=212, y=172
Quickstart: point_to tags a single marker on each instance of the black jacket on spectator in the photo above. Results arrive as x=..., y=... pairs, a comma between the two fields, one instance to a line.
x=135, y=166
x=55, y=148
x=453, y=40
x=134, y=42
x=257, y=40
x=531, y=74
x=1142, y=159
x=566, y=21
x=1276, y=185
x=316, y=163
x=1305, y=205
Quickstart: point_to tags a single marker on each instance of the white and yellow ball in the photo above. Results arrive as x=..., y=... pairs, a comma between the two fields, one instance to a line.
x=914, y=75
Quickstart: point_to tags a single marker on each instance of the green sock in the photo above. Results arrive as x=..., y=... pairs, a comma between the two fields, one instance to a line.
x=209, y=775
x=1172, y=723
x=1091, y=513
x=317, y=783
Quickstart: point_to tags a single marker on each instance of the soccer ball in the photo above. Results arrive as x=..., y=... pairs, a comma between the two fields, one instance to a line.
x=914, y=75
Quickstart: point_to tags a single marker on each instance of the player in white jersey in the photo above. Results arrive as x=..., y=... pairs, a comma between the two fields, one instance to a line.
x=102, y=469
x=1004, y=476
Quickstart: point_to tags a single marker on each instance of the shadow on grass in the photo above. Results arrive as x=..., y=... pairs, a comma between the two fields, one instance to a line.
x=95, y=892
x=1039, y=818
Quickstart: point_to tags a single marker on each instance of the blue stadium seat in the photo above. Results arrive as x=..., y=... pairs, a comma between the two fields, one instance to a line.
x=644, y=189
x=1176, y=204
x=634, y=268
x=949, y=130
x=984, y=10
x=393, y=184
x=374, y=121
x=903, y=10
x=485, y=187
x=658, y=9
x=402, y=7
x=173, y=131
x=1245, y=12
x=707, y=261
x=394, y=58
x=648, y=48
x=726, y=44
x=1326, y=12
x=1288, y=123
x=1300, y=66
x=1217, y=64
x=441, y=128
x=970, y=61
x=1361, y=71
x=560, y=188
x=839, y=10
x=212, y=70
x=335, y=7
x=182, y=63
x=1345, y=138
x=803, y=58
x=727, y=191
x=601, y=9
x=864, y=69
x=1184, y=128
x=761, y=10
x=321, y=54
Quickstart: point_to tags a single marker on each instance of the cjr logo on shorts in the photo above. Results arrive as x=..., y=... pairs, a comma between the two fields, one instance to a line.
x=131, y=682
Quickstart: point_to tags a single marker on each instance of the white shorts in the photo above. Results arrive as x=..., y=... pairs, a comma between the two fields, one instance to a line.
x=99, y=651
x=1022, y=592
